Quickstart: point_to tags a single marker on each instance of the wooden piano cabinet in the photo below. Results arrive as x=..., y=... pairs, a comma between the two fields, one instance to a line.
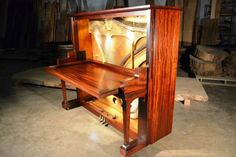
x=162, y=73
x=153, y=85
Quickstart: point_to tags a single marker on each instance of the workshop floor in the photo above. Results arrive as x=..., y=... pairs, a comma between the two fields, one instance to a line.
x=33, y=124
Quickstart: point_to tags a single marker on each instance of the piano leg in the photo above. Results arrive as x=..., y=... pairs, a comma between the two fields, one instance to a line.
x=65, y=101
x=130, y=147
x=71, y=103
x=126, y=122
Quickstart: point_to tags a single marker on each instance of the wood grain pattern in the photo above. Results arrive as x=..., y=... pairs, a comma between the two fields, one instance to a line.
x=154, y=88
x=97, y=80
x=120, y=12
x=84, y=38
x=74, y=29
x=162, y=73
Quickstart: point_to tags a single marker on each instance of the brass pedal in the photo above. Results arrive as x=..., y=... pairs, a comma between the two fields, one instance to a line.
x=100, y=118
x=104, y=122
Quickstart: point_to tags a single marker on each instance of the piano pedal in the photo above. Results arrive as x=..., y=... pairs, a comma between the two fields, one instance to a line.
x=100, y=118
x=104, y=122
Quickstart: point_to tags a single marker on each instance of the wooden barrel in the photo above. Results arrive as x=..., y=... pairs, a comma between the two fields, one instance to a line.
x=205, y=68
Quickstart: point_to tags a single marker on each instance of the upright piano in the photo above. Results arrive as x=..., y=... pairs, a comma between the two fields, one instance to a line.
x=123, y=67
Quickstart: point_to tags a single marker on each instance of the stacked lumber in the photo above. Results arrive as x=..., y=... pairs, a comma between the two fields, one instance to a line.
x=230, y=64
x=209, y=32
x=207, y=61
x=54, y=23
x=189, y=13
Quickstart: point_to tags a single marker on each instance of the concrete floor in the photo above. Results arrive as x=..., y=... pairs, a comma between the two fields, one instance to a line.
x=33, y=124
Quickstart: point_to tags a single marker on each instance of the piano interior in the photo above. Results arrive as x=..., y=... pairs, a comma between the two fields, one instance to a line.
x=119, y=41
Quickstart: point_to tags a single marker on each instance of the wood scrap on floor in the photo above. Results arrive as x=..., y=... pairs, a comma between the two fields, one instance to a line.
x=189, y=89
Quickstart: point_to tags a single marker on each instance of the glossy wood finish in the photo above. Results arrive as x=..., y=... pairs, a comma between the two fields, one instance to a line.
x=85, y=38
x=96, y=79
x=162, y=73
x=74, y=30
x=154, y=86
x=120, y=12
x=100, y=80
x=132, y=89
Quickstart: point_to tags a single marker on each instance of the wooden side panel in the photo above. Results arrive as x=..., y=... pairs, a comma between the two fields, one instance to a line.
x=162, y=73
x=74, y=35
x=84, y=37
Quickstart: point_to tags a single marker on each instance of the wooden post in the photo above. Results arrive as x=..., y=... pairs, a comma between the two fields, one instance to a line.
x=215, y=9
x=126, y=117
x=64, y=102
x=142, y=120
x=126, y=121
x=78, y=94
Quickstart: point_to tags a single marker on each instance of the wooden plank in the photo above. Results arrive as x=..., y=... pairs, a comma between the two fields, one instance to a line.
x=188, y=89
x=180, y=4
x=162, y=73
x=189, y=8
x=209, y=32
x=215, y=9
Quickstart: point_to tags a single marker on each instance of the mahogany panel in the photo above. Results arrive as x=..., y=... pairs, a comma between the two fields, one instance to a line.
x=162, y=73
x=84, y=38
x=119, y=12
x=93, y=78
x=74, y=35
x=111, y=11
